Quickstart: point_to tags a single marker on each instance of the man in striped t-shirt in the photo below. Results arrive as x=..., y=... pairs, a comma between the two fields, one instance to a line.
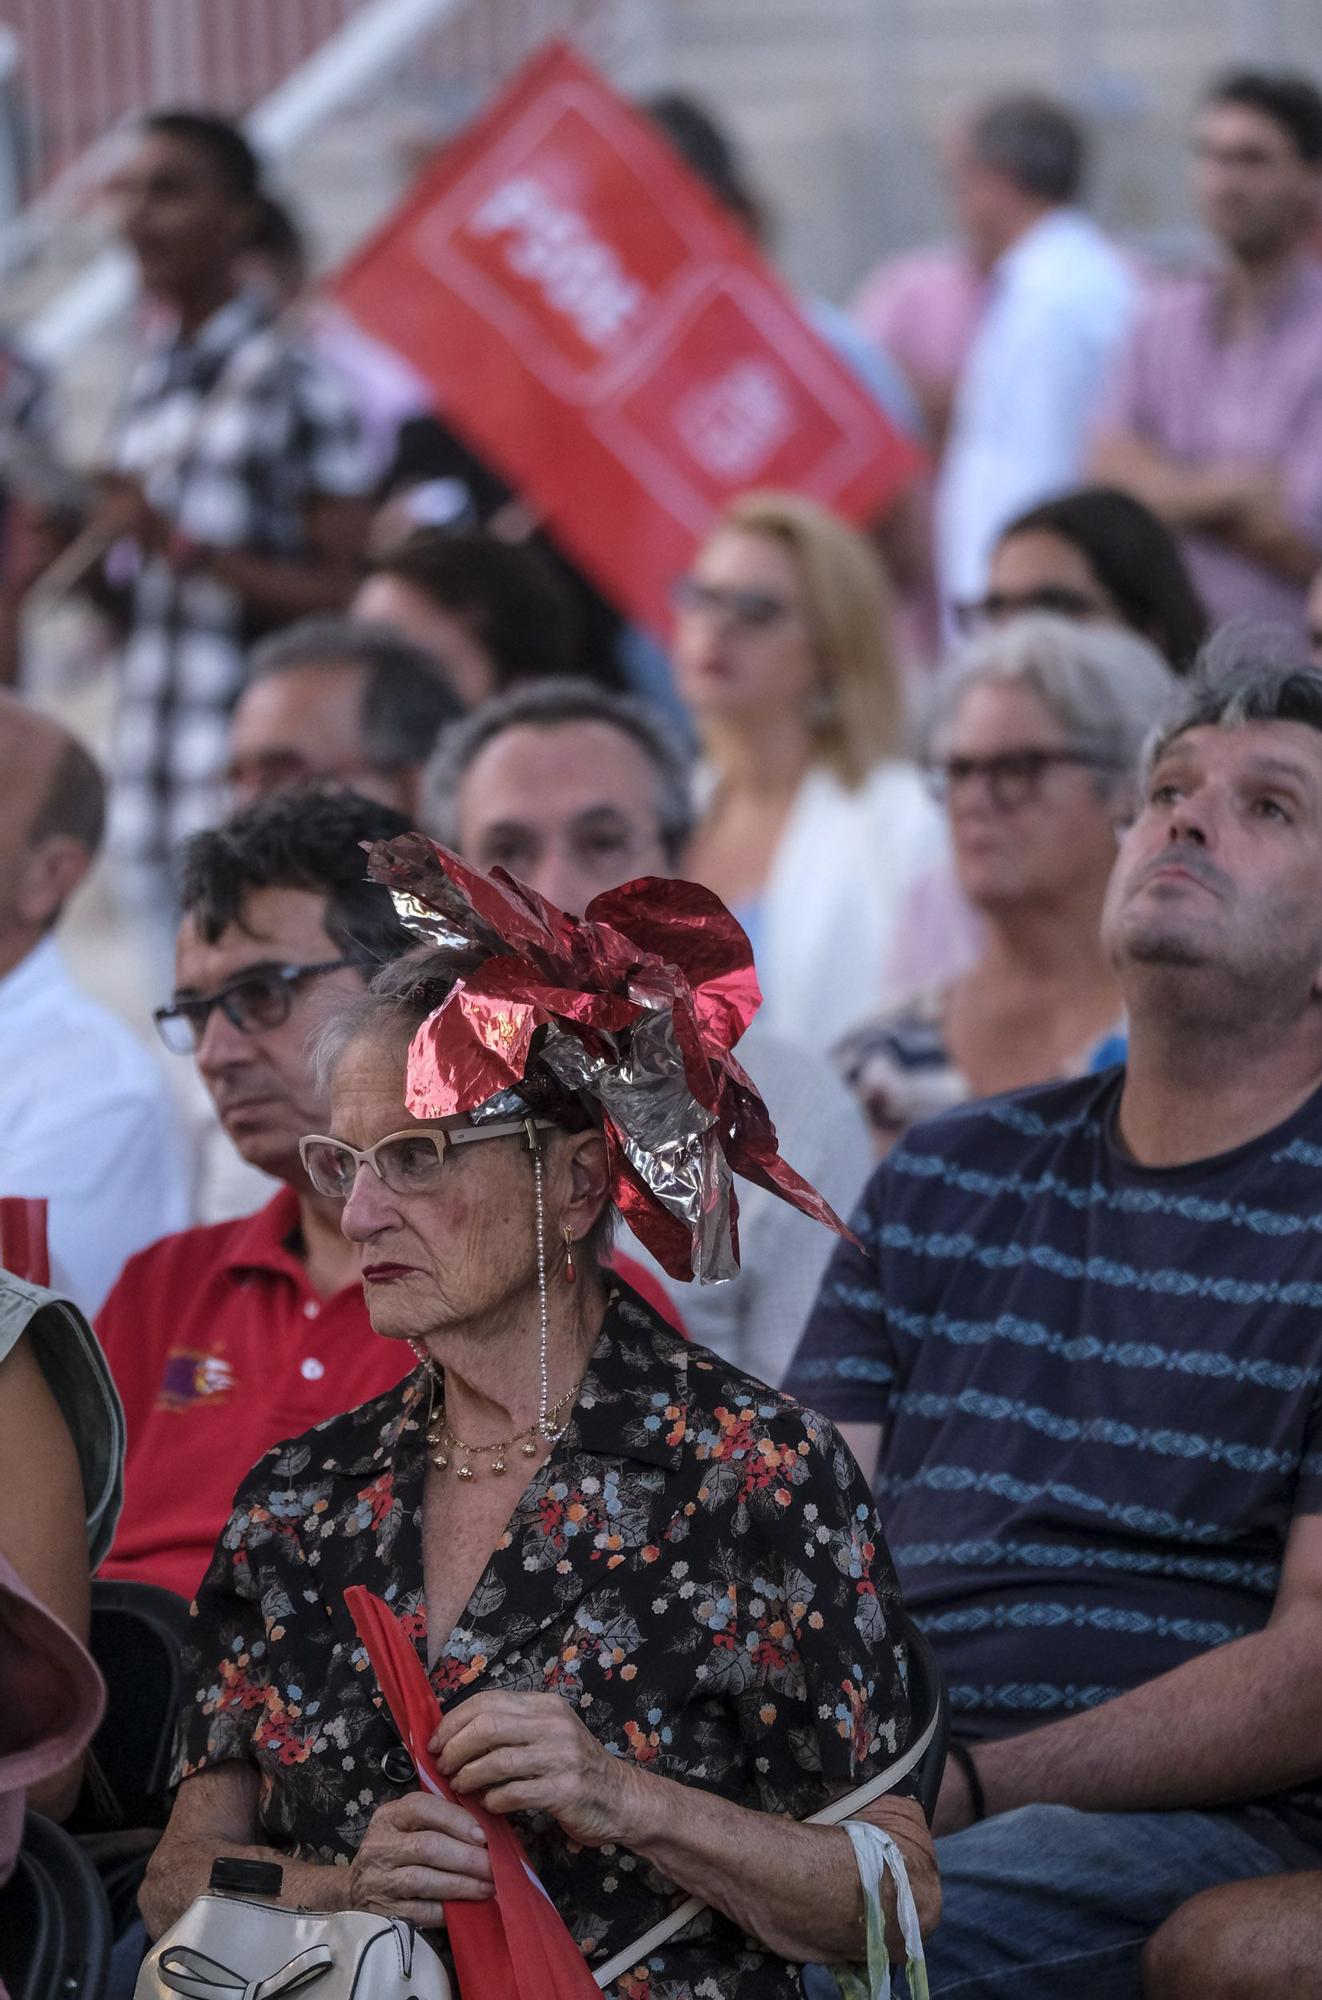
x=1082, y=1346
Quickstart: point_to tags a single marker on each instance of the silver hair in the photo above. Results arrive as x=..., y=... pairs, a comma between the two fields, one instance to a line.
x=1104, y=686
x=545, y=704
x=400, y=998
x=1246, y=672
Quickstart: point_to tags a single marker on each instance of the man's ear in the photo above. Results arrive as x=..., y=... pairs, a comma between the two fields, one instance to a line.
x=50, y=874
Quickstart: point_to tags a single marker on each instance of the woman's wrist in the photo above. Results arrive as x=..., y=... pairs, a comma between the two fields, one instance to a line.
x=642, y=1813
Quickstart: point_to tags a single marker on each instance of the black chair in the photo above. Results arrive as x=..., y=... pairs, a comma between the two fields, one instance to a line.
x=137, y=1636
x=927, y=1696
x=55, y=1925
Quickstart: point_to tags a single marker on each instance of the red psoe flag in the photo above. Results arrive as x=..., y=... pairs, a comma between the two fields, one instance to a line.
x=609, y=340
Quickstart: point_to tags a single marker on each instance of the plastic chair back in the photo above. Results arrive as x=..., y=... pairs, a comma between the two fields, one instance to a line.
x=137, y=1635
x=54, y=1919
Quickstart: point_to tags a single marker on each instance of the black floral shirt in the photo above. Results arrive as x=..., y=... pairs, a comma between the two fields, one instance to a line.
x=697, y=1568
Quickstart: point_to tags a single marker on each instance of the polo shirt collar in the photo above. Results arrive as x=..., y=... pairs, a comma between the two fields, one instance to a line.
x=261, y=1242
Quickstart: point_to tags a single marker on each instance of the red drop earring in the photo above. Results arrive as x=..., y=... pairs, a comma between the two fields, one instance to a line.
x=571, y=1275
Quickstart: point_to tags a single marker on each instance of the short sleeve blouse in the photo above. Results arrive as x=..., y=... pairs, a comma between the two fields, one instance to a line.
x=697, y=1568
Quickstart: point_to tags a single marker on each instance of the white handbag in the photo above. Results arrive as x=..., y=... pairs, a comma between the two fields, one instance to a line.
x=229, y=1946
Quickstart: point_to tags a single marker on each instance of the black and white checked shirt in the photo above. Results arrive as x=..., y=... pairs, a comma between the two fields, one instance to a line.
x=231, y=435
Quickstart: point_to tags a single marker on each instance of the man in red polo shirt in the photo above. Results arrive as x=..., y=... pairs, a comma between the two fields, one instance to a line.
x=223, y=1340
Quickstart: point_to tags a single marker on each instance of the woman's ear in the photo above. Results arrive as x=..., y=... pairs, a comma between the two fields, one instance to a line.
x=589, y=1182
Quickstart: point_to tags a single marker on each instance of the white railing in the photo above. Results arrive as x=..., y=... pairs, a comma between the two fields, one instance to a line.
x=440, y=57
x=84, y=66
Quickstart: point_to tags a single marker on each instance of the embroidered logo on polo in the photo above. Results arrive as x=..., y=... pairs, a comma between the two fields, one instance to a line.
x=190, y=1378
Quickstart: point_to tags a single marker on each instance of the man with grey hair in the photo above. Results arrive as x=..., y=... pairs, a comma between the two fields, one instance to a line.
x=338, y=701
x=1060, y=303
x=574, y=790
x=1079, y=1342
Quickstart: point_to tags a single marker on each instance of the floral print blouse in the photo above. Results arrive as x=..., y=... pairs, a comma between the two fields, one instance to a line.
x=697, y=1568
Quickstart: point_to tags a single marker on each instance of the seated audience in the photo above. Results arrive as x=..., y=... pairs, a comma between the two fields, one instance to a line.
x=1215, y=414
x=85, y=1119
x=1060, y=301
x=1102, y=557
x=335, y=701
x=815, y=829
x=223, y=1339
x=62, y=1449
x=1081, y=1329
x=574, y=790
x=1035, y=741
x=489, y=612
x=655, y=1726
x=1245, y=1941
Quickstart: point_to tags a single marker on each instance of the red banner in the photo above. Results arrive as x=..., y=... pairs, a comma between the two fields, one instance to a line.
x=609, y=340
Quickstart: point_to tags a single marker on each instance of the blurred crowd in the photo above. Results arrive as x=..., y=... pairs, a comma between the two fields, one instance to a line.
x=1073, y=1340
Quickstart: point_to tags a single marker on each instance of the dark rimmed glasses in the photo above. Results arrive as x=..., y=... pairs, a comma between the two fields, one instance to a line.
x=999, y=606
x=406, y=1162
x=1012, y=777
x=752, y=610
x=256, y=999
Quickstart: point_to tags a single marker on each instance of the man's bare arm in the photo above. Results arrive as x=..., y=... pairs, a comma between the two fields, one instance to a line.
x=1243, y=506
x=1239, y=1722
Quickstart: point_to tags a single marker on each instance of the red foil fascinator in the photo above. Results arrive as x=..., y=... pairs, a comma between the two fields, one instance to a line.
x=634, y=1008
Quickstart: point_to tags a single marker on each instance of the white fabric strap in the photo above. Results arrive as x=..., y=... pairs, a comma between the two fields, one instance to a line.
x=853, y=1802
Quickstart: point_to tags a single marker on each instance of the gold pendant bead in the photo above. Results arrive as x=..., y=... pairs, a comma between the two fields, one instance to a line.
x=440, y=1461
x=497, y=1465
x=528, y=1448
x=464, y=1472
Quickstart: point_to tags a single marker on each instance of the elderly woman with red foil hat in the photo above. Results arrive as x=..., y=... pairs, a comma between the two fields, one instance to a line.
x=651, y=1594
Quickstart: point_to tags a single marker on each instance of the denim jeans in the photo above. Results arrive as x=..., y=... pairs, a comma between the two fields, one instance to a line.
x=1049, y=1901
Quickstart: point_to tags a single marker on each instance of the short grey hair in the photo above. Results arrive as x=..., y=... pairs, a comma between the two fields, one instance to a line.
x=407, y=700
x=1034, y=141
x=547, y=704
x=1244, y=674
x=1104, y=686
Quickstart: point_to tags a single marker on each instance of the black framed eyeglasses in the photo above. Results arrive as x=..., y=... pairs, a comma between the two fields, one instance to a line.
x=1012, y=777
x=254, y=1000
x=999, y=606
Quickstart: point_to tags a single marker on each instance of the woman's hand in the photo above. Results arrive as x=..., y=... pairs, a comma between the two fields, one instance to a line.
x=530, y=1753
x=419, y=1853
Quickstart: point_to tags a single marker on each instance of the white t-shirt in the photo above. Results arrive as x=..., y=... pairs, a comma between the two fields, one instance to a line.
x=85, y=1122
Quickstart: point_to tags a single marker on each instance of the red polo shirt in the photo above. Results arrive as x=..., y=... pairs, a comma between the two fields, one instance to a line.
x=219, y=1348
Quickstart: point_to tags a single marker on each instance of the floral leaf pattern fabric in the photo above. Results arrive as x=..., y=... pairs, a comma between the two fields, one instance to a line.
x=697, y=1568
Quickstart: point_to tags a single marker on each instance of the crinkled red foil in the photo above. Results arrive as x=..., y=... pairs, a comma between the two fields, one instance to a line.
x=653, y=947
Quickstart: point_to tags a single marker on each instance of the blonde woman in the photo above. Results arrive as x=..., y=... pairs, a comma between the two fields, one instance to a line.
x=815, y=828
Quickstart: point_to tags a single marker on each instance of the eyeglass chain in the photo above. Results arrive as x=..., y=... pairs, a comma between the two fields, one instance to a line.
x=442, y=1442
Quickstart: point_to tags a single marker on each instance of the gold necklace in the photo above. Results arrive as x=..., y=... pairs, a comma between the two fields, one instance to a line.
x=442, y=1441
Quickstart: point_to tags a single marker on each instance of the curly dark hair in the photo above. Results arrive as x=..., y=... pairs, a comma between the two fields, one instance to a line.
x=306, y=839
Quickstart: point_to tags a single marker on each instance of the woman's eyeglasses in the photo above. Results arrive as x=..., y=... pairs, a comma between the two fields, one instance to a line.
x=254, y=1000
x=1001, y=605
x=407, y=1162
x=1012, y=778
x=753, y=610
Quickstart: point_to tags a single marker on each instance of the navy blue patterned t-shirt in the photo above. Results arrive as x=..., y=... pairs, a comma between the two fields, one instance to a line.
x=1098, y=1384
